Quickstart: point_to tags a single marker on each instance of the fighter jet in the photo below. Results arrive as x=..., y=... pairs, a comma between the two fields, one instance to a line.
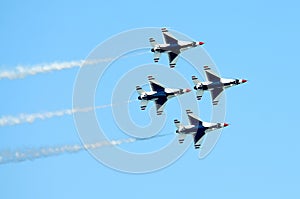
x=197, y=128
x=214, y=84
x=172, y=46
x=159, y=94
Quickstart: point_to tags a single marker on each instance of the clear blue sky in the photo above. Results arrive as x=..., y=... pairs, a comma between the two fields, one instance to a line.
x=256, y=157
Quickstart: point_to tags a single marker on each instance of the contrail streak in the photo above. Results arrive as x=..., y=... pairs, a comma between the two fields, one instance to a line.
x=30, y=118
x=22, y=71
x=32, y=154
x=10, y=156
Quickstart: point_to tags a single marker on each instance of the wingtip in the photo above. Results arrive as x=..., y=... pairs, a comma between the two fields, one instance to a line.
x=188, y=111
x=150, y=77
x=164, y=29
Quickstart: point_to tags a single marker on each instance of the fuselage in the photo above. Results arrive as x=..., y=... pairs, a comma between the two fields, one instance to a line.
x=167, y=93
x=223, y=83
x=175, y=47
x=190, y=129
x=205, y=127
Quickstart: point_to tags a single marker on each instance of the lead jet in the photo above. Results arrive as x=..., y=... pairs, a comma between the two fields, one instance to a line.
x=172, y=46
x=214, y=84
x=159, y=94
x=196, y=128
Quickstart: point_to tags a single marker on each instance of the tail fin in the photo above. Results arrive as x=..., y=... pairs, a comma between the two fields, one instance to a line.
x=153, y=42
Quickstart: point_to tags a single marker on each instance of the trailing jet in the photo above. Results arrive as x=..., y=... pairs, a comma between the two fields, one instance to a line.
x=214, y=84
x=172, y=46
x=159, y=94
x=197, y=128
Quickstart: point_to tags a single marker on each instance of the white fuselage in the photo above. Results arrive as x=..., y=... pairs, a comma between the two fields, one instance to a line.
x=223, y=83
x=179, y=47
x=191, y=129
x=168, y=93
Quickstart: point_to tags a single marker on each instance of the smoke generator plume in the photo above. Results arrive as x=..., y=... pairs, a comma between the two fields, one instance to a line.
x=30, y=118
x=22, y=71
x=9, y=156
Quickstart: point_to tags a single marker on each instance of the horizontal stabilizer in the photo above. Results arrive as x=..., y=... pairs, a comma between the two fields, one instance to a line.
x=140, y=90
x=153, y=42
x=199, y=94
x=195, y=80
x=181, y=138
x=156, y=56
x=144, y=104
x=177, y=123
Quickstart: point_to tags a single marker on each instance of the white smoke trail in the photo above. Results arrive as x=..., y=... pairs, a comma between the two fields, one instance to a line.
x=22, y=71
x=32, y=154
x=30, y=118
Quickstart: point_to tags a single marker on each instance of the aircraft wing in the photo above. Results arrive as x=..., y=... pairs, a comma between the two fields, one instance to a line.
x=198, y=138
x=160, y=105
x=173, y=57
x=168, y=37
x=215, y=95
x=155, y=86
x=211, y=75
x=193, y=119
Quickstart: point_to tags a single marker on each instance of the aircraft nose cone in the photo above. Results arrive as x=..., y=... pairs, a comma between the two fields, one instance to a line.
x=201, y=43
x=187, y=90
x=152, y=50
x=139, y=98
x=244, y=81
x=225, y=124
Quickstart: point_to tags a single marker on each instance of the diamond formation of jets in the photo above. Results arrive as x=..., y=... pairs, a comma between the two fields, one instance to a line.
x=196, y=128
x=172, y=46
x=214, y=84
x=159, y=94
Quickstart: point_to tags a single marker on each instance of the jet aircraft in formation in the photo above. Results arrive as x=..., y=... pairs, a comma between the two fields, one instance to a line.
x=214, y=84
x=160, y=94
x=172, y=46
x=196, y=128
